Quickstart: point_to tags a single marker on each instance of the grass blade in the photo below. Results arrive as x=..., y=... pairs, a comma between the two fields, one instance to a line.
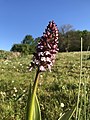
x=68, y=114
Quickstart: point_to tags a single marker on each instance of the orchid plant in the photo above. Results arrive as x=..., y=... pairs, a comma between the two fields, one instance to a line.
x=43, y=59
x=46, y=49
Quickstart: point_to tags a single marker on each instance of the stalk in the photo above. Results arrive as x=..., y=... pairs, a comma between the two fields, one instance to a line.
x=31, y=98
x=77, y=110
x=85, y=98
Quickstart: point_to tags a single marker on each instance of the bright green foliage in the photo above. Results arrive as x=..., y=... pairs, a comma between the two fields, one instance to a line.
x=36, y=108
x=23, y=48
x=28, y=40
x=37, y=112
x=33, y=108
x=27, y=46
x=69, y=39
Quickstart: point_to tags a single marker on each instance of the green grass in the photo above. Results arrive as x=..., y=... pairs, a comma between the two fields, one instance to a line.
x=54, y=88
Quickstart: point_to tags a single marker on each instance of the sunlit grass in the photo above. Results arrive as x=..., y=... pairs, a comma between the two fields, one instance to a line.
x=55, y=88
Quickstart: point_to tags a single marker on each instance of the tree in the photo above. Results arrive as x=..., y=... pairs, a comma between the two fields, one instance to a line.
x=86, y=40
x=74, y=40
x=36, y=40
x=22, y=48
x=65, y=28
x=64, y=39
x=28, y=40
x=27, y=45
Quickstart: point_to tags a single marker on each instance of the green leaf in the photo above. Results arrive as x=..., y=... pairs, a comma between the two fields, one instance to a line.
x=33, y=108
x=37, y=112
x=68, y=114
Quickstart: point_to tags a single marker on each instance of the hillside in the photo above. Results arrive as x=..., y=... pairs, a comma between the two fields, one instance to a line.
x=54, y=89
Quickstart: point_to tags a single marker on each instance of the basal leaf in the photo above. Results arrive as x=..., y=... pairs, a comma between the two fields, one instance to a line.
x=37, y=112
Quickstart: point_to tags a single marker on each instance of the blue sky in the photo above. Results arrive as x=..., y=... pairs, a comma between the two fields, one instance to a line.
x=19, y=18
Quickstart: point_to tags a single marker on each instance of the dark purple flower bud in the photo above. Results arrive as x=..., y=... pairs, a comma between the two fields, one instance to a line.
x=46, y=50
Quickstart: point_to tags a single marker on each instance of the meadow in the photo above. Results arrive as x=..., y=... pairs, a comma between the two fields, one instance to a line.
x=57, y=90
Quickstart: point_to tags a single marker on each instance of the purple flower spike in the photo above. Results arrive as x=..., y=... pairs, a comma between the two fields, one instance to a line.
x=46, y=50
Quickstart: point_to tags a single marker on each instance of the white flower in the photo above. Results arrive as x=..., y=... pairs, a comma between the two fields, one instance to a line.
x=3, y=93
x=24, y=90
x=37, y=62
x=47, y=52
x=48, y=59
x=41, y=76
x=40, y=54
x=42, y=68
x=43, y=59
x=12, y=81
x=40, y=46
x=14, y=67
x=14, y=95
x=20, y=64
x=15, y=89
x=62, y=104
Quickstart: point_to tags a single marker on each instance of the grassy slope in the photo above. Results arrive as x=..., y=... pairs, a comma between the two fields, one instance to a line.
x=59, y=86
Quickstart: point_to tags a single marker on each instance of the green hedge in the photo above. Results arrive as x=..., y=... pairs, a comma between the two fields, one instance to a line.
x=23, y=48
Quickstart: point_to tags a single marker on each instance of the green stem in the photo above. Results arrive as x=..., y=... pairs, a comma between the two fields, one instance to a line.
x=85, y=98
x=31, y=98
x=77, y=110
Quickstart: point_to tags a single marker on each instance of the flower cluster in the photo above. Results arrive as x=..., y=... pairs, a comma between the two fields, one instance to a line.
x=46, y=49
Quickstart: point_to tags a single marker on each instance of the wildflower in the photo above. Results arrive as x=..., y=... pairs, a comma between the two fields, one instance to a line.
x=3, y=93
x=15, y=89
x=41, y=76
x=14, y=95
x=12, y=81
x=14, y=67
x=46, y=50
x=62, y=104
x=24, y=90
x=20, y=64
